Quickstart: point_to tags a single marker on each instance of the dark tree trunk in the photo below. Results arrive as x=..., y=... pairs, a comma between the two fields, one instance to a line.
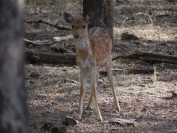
x=103, y=13
x=13, y=110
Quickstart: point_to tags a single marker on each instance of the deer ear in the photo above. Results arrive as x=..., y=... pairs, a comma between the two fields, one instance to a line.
x=89, y=17
x=68, y=17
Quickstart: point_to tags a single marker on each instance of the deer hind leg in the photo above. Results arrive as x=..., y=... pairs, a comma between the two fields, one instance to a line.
x=108, y=66
x=83, y=82
x=91, y=97
x=93, y=80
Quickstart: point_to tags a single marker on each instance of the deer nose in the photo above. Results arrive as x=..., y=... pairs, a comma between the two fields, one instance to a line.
x=76, y=36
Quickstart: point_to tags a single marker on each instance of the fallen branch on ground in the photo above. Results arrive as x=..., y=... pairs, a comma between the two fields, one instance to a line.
x=71, y=58
x=38, y=43
x=49, y=42
x=56, y=47
x=149, y=57
x=37, y=57
x=56, y=25
x=140, y=71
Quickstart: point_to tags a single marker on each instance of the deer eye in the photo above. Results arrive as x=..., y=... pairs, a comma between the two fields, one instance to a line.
x=83, y=26
x=72, y=26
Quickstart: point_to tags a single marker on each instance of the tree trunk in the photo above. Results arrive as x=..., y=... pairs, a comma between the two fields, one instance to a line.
x=103, y=14
x=13, y=109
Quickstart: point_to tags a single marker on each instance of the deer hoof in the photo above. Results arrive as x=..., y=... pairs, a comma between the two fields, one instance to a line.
x=118, y=109
x=99, y=119
x=79, y=119
x=88, y=108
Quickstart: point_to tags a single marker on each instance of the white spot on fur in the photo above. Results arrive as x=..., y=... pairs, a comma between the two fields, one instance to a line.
x=96, y=30
x=106, y=40
x=90, y=52
x=100, y=38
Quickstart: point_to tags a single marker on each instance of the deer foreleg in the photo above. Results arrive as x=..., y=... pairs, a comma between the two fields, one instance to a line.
x=93, y=79
x=83, y=82
x=91, y=97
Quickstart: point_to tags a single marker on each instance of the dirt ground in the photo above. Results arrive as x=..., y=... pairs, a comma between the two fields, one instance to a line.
x=53, y=90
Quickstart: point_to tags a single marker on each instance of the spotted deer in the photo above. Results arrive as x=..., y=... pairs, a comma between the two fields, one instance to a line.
x=93, y=49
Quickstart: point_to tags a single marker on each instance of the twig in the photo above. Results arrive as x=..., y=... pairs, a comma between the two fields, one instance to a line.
x=155, y=73
x=46, y=42
x=65, y=38
x=150, y=18
x=125, y=20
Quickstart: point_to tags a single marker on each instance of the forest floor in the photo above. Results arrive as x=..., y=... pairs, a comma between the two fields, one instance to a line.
x=53, y=90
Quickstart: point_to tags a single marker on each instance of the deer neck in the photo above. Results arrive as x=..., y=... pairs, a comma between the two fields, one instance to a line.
x=83, y=50
x=82, y=44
